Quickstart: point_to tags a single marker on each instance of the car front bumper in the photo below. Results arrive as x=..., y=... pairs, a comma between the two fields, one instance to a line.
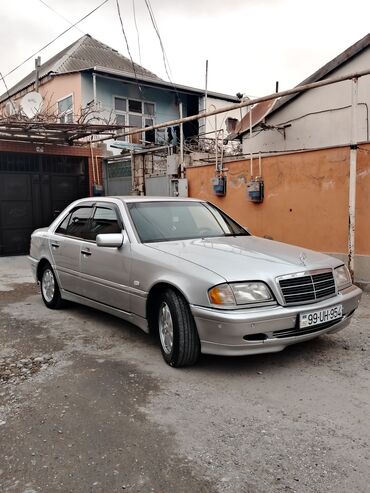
x=268, y=329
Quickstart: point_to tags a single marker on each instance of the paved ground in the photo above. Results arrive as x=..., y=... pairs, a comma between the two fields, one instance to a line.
x=88, y=405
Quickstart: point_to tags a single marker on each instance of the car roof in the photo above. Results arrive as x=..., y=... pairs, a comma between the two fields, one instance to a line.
x=139, y=198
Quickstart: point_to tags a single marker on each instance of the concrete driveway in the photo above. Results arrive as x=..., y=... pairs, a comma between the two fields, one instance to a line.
x=88, y=405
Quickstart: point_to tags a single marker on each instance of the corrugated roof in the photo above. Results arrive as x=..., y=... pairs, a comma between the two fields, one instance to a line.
x=84, y=53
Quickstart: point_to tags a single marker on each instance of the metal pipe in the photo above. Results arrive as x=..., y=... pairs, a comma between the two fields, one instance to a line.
x=37, y=73
x=242, y=104
x=251, y=165
x=206, y=88
x=206, y=96
x=181, y=143
x=259, y=164
x=132, y=172
x=216, y=144
x=92, y=162
x=222, y=150
x=352, y=179
x=94, y=90
x=250, y=123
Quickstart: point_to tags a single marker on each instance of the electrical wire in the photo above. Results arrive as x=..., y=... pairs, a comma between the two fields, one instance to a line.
x=53, y=40
x=164, y=56
x=137, y=30
x=61, y=16
x=128, y=47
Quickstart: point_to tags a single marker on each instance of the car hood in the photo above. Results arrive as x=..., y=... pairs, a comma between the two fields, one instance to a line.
x=239, y=258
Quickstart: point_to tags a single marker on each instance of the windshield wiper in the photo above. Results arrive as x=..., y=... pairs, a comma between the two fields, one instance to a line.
x=237, y=234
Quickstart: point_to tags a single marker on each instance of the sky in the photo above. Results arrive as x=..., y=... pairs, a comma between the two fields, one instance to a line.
x=249, y=44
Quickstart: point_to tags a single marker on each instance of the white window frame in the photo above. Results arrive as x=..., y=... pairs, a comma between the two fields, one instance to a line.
x=67, y=112
x=127, y=113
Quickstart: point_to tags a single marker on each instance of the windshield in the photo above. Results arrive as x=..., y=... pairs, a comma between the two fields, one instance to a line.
x=168, y=221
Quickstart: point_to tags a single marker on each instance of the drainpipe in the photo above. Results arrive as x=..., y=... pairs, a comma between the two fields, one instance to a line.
x=352, y=179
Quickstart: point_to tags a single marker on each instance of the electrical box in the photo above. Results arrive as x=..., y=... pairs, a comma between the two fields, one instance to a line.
x=179, y=187
x=255, y=190
x=173, y=163
x=98, y=190
x=219, y=185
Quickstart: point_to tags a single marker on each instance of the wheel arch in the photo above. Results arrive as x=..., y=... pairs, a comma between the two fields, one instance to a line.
x=40, y=266
x=153, y=295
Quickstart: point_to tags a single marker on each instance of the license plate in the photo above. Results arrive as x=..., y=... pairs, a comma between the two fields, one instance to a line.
x=320, y=316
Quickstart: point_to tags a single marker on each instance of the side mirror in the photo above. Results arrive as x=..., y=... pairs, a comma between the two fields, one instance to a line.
x=113, y=240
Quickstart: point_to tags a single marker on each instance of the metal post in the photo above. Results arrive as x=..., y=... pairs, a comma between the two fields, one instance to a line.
x=94, y=90
x=222, y=150
x=250, y=123
x=352, y=179
x=206, y=88
x=181, y=143
x=259, y=164
x=216, y=144
x=132, y=157
x=206, y=99
x=37, y=73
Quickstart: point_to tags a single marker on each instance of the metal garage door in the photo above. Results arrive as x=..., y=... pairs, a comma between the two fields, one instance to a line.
x=117, y=177
x=32, y=188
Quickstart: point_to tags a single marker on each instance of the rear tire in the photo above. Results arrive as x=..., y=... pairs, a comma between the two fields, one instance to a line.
x=49, y=288
x=177, y=332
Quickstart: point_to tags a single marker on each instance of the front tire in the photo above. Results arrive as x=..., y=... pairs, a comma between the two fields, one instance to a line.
x=49, y=288
x=177, y=332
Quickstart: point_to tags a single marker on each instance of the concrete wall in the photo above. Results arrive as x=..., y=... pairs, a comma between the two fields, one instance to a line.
x=320, y=117
x=306, y=200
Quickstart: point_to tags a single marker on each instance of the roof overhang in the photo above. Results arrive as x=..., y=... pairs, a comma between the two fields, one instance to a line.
x=158, y=83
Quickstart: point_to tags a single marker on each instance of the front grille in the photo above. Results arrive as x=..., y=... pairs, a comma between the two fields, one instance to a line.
x=307, y=288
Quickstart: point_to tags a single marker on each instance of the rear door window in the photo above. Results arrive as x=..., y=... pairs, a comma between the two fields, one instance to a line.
x=75, y=224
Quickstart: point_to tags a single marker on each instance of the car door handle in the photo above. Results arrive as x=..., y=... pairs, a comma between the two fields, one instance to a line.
x=55, y=245
x=85, y=252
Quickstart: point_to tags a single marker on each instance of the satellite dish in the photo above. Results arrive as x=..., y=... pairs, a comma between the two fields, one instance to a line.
x=31, y=104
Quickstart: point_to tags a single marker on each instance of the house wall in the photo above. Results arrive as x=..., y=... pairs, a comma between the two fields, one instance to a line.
x=320, y=117
x=166, y=107
x=56, y=88
x=306, y=200
x=208, y=125
x=107, y=88
x=60, y=87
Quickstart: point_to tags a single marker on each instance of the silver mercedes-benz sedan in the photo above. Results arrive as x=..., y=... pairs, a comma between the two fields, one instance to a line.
x=183, y=269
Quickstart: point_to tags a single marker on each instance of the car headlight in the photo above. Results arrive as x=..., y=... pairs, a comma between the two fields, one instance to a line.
x=342, y=277
x=239, y=293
